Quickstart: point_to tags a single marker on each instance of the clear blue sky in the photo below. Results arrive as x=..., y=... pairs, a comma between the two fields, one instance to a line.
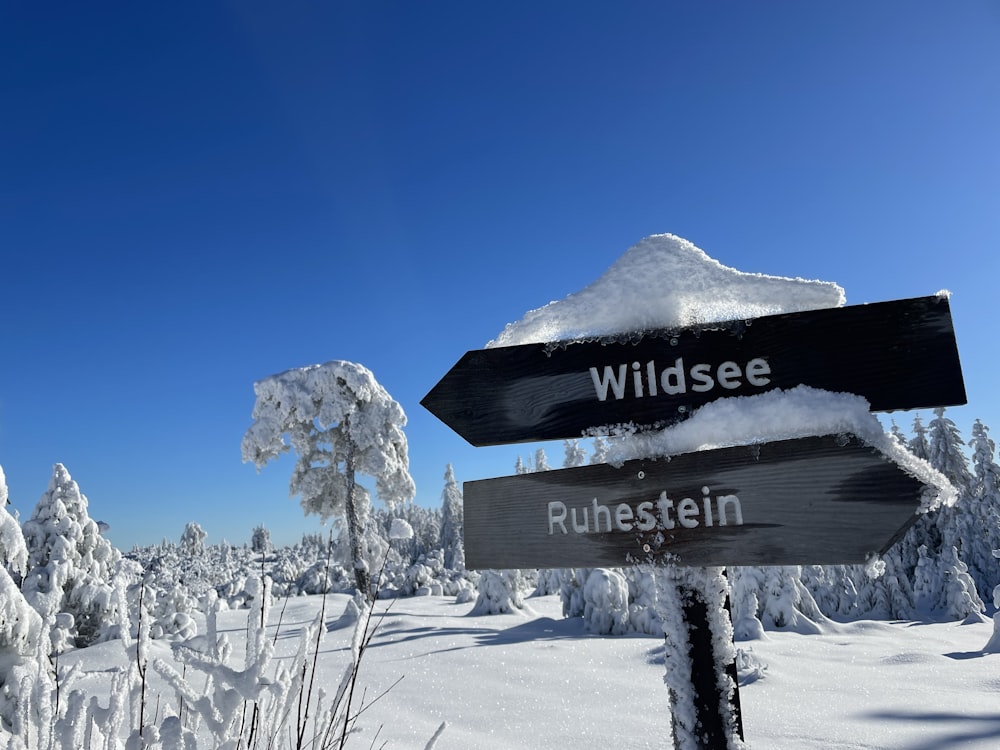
x=195, y=195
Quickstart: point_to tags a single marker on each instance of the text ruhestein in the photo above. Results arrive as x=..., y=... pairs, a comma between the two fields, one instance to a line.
x=663, y=513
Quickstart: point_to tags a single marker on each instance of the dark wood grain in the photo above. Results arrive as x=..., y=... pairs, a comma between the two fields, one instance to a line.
x=898, y=355
x=816, y=500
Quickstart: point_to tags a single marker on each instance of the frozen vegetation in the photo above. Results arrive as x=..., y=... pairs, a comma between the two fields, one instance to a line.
x=377, y=633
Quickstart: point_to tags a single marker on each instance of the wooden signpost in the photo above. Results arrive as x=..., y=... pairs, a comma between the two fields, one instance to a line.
x=897, y=355
x=816, y=500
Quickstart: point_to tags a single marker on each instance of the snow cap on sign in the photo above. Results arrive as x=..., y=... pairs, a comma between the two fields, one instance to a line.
x=664, y=281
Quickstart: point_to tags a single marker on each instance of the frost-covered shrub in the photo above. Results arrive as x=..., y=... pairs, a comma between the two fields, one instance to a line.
x=500, y=592
x=465, y=593
x=642, y=607
x=571, y=591
x=549, y=581
x=605, y=597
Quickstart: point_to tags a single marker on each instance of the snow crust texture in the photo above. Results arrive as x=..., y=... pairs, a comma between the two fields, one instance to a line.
x=665, y=281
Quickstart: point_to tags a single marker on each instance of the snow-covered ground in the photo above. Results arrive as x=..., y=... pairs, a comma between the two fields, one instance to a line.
x=541, y=681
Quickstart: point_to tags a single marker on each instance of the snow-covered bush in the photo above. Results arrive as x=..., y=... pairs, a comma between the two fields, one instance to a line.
x=605, y=596
x=500, y=593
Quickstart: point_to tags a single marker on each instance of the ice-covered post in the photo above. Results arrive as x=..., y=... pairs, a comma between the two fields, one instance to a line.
x=700, y=659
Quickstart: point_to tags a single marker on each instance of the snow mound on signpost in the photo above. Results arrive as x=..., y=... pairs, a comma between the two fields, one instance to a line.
x=664, y=281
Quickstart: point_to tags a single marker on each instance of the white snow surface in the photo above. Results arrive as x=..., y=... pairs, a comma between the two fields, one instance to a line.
x=536, y=680
x=664, y=281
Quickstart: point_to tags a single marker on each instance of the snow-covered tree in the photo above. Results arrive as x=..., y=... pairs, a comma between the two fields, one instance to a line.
x=260, y=540
x=20, y=625
x=575, y=454
x=787, y=604
x=959, y=596
x=605, y=596
x=193, y=539
x=993, y=645
x=70, y=565
x=897, y=434
x=984, y=499
x=945, y=450
x=500, y=593
x=452, y=540
x=919, y=446
x=339, y=421
x=600, y=452
x=956, y=531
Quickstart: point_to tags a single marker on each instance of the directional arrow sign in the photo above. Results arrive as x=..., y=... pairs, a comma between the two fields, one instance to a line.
x=808, y=501
x=898, y=355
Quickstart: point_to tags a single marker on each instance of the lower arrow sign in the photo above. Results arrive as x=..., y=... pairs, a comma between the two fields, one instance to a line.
x=807, y=501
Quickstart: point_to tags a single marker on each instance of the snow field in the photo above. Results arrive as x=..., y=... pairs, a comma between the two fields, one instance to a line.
x=540, y=681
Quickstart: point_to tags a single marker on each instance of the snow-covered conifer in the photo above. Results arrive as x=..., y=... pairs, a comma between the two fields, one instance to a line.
x=605, y=596
x=959, y=596
x=20, y=625
x=925, y=591
x=70, y=565
x=600, y=452
x=500, y=593
x=642, y=607
x=945, y=450
x=575, y=454
x=985, y=510
x=339, y=421
x=452, y=540
x=571, y=591
x=746, y=585
x=888, y=595
x=787, y=604
x=897, y=434
x=993, y=645
x=918, y=444
x=958, y=528
x=260, y=540
x=193, y=539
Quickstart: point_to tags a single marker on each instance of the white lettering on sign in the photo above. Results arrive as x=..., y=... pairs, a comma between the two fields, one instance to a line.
x=687, y=513
x=676, y=378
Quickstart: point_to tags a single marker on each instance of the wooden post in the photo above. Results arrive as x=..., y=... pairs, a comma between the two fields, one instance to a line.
x=707, y=716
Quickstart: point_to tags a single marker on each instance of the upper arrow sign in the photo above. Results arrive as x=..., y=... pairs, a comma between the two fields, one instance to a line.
x=897, y=355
